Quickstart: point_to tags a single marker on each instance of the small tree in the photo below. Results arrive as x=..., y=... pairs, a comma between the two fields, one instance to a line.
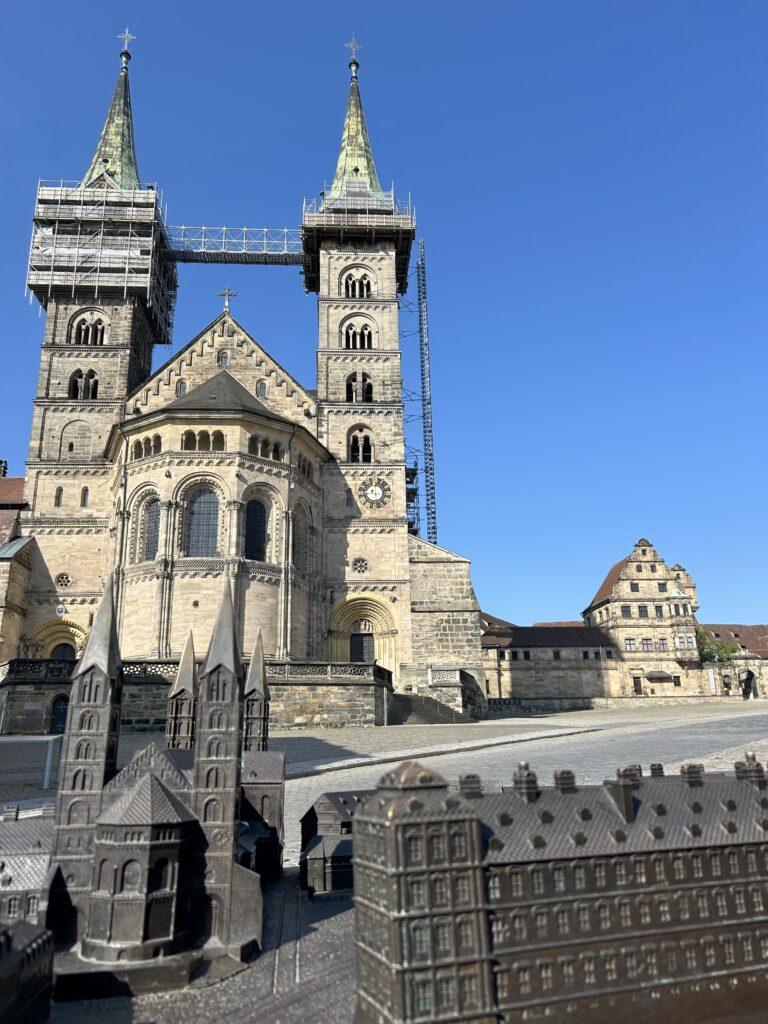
x=711, y=649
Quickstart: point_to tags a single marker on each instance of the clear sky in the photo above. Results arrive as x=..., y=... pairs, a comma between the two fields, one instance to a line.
x=591, y=180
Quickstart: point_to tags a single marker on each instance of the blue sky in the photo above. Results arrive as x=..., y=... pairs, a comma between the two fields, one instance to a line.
x=590, y=179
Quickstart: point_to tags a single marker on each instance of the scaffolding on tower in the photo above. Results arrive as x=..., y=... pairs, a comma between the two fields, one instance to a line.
x=426, y=397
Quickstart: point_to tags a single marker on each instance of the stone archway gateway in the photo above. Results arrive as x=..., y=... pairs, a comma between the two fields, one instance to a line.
x=53, y=635
x=362, y=629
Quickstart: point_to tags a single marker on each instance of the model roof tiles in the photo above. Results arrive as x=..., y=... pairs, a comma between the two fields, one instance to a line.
x=149, y=802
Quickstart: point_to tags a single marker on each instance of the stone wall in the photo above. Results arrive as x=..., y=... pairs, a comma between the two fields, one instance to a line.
x=507, y=706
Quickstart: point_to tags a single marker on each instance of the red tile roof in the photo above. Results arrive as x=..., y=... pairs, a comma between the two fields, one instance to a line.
x=606, y=587
x=754, y=638
x=11, y=490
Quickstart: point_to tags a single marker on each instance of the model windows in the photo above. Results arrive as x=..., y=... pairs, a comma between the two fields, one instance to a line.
x=647, y=643
x=676, y=681
x=630, y=644
x=662, y=588
x=359, y=388
x=634, y=587
x=642, y=611
x=202, y=524
x=256, y=531
x=658, y=611
x=663, y=644
x=151, y=529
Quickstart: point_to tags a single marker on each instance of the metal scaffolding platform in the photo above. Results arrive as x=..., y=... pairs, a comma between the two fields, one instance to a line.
x=281, y=246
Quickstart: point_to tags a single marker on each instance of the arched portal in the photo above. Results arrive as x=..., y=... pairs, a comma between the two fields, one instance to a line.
x=362, y=629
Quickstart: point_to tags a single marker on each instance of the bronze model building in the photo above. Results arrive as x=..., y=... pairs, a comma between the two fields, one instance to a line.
x=641, y=898
x=160, y=857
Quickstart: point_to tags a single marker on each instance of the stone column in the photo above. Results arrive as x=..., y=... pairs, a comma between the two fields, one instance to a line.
x=284, y=631
x=235, y=525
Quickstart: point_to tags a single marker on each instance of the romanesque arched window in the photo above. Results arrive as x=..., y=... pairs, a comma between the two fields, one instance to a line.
x=364, y=287
x=157, y=445
x=202, y=524
x=223, y=358
x=147, y=447
x=264, y=448
x=181, y=388
x=76, y=385
x=359, y=388
x=253, y=445
x=84, y=495
x=151, y=529
x=211, y=810
x=91, y=386
x=276, y=453
x=105, y=876
x=188, y=441
x=217, y=441
x=262, y=389
x=203, y=441
x=212, y=778
x=131, y=876
x=360, y=446
x=216, y=748
x=137, y=450
x=356, y=285
x=256, y=531
x=88, y=332
x=58, y=498
x=84, y=751
x=88, y=721
x=366, y=337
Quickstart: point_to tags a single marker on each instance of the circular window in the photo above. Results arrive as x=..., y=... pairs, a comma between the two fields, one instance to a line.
x=360, y=565
x=63, y=580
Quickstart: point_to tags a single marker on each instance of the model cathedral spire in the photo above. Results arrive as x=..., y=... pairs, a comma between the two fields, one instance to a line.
x=149, y=861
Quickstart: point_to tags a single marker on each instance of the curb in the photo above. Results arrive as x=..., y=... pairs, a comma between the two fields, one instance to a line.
x=299, y=771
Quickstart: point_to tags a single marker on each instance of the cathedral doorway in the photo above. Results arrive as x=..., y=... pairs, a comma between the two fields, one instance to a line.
x=64, y=652
x=362, y=630
x=361, y=645
x=58, y=715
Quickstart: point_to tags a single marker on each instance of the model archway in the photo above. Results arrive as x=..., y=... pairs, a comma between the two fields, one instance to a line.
x=356, y=620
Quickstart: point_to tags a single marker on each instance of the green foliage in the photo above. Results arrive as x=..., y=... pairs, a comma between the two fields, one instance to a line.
x=714, y=650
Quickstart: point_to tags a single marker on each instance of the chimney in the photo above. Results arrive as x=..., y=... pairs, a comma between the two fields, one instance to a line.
x=657, y=771
x=693, y=774
x=741, y=770
x=565, y=781
x=755, y=773
x=470, y=785
x=525, y=783
x=632, y=771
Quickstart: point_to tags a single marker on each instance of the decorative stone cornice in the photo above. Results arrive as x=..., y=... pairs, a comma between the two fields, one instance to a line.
x=198, y=460
x=65, y=597
x=71, y=468
x=47, y=526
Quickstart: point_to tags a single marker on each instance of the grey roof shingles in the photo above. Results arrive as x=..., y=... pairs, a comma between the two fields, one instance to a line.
x=149, y=802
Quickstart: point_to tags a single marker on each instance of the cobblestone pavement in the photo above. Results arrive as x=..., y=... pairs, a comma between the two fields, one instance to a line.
x=307, y=970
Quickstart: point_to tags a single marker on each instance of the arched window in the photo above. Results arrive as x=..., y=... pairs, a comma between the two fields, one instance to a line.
x=256, y=531
x=203, y=441
x=97, y=332
x=64, y=652
x=212, y=778
x=276, y=452
x=265, y=449
x=359, y=388
x=105, y=876
x=84, y=751
x=350, y=286
x=253, y=445
x=81, y=332
x=58, y=498
x=223, y=358
x=181, y=388
x=86, y=333
x=151, y=529
x=84, y=498
x=131, y=878
x=360, y=447
x=211, y=810
x=147, y=447
x=188, y=441
x=159, y=875
x=157, y=445
x=366, y=337
x=262, y=389
x=350, y=336
x=218, y=720
x=364, y=287
x=215, y=748
x=76, y=383
x=217, y=441
x=88, y=721
x=91, y=386
x=136, y=450
x=265, y=807
x=202, y=524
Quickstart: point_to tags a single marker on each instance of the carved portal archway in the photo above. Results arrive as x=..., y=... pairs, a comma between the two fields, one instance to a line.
x=49, y=635
x=361, y=616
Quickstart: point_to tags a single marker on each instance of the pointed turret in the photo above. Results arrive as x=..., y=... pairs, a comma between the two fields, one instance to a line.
x=256, y=709
x=222, y=650
x=114, y=161
x=256, y=682
x=355, y=166
x=186, y=677
x=182, y=702
x=102, y=651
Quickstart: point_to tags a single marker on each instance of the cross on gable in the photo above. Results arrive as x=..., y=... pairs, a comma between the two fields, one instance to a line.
x=227, y=294
x=126, y=36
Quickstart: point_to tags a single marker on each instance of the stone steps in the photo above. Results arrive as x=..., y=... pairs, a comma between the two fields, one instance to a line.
x=412, y=709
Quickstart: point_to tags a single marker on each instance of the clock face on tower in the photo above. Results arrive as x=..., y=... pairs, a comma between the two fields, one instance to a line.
x=374, y=492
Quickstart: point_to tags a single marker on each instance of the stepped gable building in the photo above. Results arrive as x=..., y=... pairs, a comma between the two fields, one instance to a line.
x=641, y=898
x=636, y=638
x=220, y=463
x=160, y=858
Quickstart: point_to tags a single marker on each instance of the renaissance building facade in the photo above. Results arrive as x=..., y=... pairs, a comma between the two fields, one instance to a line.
x=220, y=463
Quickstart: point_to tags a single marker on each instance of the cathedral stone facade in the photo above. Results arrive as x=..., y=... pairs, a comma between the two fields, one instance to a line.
x=220, y=463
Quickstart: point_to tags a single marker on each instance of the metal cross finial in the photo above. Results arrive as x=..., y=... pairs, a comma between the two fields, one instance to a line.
x=227, y=295
x=126, y=36
x=354, y=46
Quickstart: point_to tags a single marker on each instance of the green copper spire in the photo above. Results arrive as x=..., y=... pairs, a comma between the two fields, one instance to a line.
x=115, y=154
x=355, y=166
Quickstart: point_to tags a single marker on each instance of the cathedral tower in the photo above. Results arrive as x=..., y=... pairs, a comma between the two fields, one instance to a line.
x=96, y=266
x=357, y=241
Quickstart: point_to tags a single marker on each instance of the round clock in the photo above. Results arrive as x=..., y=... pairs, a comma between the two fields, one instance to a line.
x=374, y=493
